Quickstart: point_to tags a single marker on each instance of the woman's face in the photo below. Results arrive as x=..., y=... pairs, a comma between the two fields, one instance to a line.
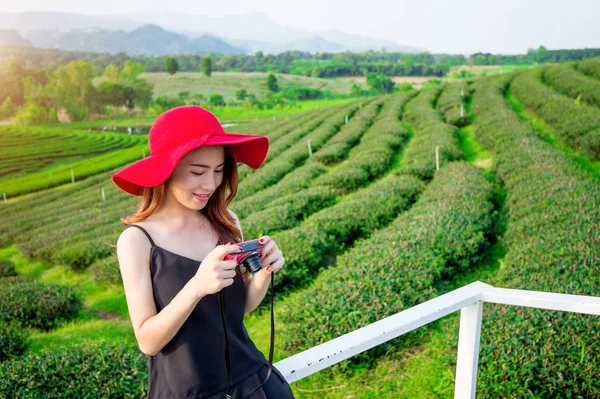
x=197, y=176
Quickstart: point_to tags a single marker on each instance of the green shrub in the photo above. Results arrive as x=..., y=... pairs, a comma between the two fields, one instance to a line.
x=34, y=304
x=97, y=371
x=396, y=267
x=575, y=124
x=316, y=242
x=552, y=246
x=14, y=340
x=430, y=131
x=106, y=270
x=7, y=268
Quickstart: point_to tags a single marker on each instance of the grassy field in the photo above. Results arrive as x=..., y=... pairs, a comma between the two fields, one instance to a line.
x=227, y=83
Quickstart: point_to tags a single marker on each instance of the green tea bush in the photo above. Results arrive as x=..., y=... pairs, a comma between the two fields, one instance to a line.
x=292, y=183
x=316, y=241
x=590, y=67
x=397, y=267
x=14, y=340
x=575, y=124
x=7, y=268
x=91, y=371
x=376, y=151
x=34, y=304
x=450, y=102
x=430, y=131
x=296, y=154
x=552, y=245
x=287, y=212
x=576, y=85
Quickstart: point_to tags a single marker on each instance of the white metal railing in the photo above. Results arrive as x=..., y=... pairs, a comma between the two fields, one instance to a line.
x=468, y=299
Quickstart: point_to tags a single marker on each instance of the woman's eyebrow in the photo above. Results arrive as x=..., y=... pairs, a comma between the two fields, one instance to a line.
x=205, y=166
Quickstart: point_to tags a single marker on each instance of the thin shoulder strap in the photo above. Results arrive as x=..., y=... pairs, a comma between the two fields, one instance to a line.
x=145, y=232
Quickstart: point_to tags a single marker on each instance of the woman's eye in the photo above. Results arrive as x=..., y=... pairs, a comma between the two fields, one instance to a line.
x=198, y=174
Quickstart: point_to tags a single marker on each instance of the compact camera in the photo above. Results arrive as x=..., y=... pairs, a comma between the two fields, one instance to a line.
x=249, y=257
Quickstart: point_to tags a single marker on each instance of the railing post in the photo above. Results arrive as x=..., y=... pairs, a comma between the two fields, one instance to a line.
x=468, y=351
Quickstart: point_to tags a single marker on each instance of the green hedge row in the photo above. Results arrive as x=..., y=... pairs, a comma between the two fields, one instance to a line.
x=37, y=305
x=397, y=267
x=96, y=371
x=277, y=129
x=338, y=147
x=295, y=155
x=430, y=131
x=450, y=101
x=298, y=134
x=375, y=153
x=552, y=245
x=577, y=124
x=568, y=81
x=315, y=242
x=288, y=211
x=61, y=174
x=590, y=67
x=291, y=183
x=301, y=177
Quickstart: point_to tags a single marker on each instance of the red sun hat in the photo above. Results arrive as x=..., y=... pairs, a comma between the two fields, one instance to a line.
x=175, y=133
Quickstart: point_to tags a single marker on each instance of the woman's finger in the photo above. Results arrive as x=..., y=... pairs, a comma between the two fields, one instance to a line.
x=277, y=265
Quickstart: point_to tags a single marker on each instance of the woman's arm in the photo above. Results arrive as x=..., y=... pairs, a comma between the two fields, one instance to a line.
x=152, y=331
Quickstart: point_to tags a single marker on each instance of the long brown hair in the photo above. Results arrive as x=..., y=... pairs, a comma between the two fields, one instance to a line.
x=215, y=210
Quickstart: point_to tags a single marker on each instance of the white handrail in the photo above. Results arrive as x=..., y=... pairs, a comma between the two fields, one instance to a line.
x=469, y=299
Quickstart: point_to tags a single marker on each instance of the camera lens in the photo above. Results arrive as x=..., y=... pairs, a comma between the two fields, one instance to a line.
x=252, y=263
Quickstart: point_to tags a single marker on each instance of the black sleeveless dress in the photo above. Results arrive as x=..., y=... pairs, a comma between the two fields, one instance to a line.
x=192, y=364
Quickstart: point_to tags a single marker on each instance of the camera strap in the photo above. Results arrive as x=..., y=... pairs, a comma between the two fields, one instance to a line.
x=226, y=341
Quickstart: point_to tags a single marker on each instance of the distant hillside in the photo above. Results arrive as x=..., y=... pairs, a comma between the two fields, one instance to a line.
x=242, y=33
x=12, y=38
x=145, y=40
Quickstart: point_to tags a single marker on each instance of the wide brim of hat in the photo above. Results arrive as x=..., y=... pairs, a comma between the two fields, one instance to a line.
x=157, y=168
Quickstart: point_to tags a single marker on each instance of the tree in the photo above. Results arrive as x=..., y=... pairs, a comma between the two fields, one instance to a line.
x=131, y=70
x=241, y=94
x=272, y=83
x=380, y=83
x=540, y=54
x=7, y=108
x=171, y=65
x=111, y=72
x=217, y=100
x=206, y=65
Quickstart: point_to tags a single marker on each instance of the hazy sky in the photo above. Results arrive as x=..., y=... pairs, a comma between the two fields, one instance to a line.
x=458, y=26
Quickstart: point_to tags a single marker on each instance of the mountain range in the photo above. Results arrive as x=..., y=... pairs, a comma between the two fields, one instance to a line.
x=160, y=33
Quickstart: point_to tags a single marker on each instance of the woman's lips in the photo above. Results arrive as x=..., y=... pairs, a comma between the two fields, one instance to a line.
x=202, y=198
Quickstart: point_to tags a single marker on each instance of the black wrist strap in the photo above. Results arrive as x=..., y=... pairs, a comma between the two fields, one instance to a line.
x=226, y=341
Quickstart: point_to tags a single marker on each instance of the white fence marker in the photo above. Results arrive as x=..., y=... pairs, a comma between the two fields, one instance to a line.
x=462, y=110
x=437, y=158
x=4, y=194
x=309, y=149
x=103, y=197
x=346, y=119
x=72, y=176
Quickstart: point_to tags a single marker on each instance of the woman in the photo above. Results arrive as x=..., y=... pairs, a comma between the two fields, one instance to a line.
x=173, y=268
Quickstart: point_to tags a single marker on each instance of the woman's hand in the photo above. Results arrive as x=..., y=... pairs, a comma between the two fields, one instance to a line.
x=214, y=272
x=271, y=258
